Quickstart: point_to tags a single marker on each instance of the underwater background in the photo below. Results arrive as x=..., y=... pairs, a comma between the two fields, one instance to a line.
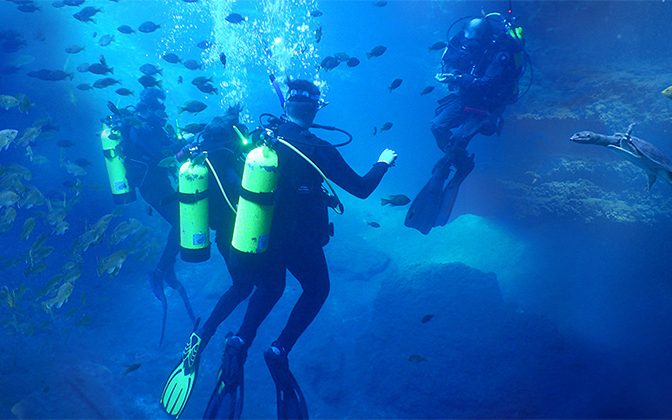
x=547, y=295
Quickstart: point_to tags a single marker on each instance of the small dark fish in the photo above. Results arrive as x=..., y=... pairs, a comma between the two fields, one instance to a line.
x=95, y=34
x=171, y=58
x=180, y=79
x=193, y=106
x=86, y=14
x=207, y=88
x=222, y=59
x=50, y=75
x=150, y=70
x=235, y=18
x=105, y=40
x=425, y=319
x=82, y=68
x=193, y=65
x=201, y=80
x=375, y=131
x=149, y=210
x=82, y=162
x=99, y=69
x=64, y=144
x=353, y=62
x=386, y=126
x=437, y=46
x=124, y=92
x=318, y=34
x=204, y=45
x=148, y=27
x=376, y=51
x=416, y=358
x=380, y=3
x=426, y=90
x=395, y=200
x=103, y=83
x=330, y=63
x=125, y=29
x=316, y=13
x=74, y=3
x=149, y=81
x=373, y=224
x=84, y=86
x=395, y=84
x=58, y=4
x=74, y=49
x=132, y=367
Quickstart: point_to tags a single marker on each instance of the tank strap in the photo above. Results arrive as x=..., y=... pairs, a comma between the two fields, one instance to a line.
x=264, y=199
x=191, y=198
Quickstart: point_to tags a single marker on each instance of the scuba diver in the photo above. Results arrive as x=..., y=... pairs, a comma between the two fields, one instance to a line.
x=481, y=66
x=299, y=231
x=145, y=141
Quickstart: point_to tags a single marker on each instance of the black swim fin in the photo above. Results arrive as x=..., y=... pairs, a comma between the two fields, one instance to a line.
x=452, y=188
x=226, y=401
x=290, y=400
x=424, y=209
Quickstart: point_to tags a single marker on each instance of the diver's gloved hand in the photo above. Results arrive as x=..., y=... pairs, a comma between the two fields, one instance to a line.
x=388, y=156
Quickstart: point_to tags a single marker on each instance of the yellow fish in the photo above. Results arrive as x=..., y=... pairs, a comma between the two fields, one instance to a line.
x=667, y=92
x=62, y=295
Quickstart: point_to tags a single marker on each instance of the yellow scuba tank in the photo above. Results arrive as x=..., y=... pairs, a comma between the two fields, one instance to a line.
x=194, y=212
x=114, y=162
x=255, y=204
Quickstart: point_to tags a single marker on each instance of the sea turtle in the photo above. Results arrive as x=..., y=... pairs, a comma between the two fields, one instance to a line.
x=639, y=152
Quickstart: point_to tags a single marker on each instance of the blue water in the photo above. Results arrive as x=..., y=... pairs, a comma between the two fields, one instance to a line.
x=550, y=289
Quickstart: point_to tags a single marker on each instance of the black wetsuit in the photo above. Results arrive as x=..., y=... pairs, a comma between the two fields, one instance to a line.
x=143, y=148
x=299, y=231
x=488, y=83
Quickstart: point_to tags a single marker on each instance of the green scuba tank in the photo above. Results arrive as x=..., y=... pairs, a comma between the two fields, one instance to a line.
x=194, y=226
x=114, y=162
x=255, y=204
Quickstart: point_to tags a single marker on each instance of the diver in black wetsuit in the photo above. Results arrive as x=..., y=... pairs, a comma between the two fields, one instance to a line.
x=299, y=231
x=481, y=67
x=145, y=143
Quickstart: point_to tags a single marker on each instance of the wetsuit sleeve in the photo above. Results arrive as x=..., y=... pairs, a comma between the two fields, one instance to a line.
x=337, y=169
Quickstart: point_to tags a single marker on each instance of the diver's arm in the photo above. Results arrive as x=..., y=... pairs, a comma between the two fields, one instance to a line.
x=338, y=170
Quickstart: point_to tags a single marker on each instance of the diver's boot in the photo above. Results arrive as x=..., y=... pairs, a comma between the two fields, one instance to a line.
x=226, y=401
x=181, y=381
x=290, y=400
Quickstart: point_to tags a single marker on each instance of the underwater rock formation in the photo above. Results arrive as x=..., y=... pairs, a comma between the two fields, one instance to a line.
x=443, y=343
x=588, y=190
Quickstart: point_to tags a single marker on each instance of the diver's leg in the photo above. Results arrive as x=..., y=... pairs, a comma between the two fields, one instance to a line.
x=309, y=266
x=448, y=115
x=268, y=275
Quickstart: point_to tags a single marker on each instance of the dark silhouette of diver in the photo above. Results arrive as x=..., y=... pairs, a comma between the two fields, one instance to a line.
x=481, y=66
x=299, y=230
x=146, y=141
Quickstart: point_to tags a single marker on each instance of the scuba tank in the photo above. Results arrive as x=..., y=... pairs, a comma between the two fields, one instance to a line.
x=254, y=214
x=194, y=212
x=114, y=162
